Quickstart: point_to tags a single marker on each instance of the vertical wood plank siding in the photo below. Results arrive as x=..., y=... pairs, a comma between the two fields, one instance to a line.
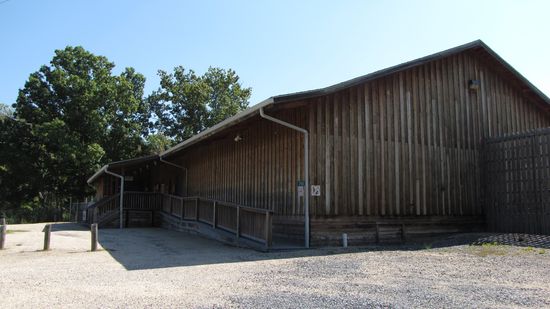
x=403, y=145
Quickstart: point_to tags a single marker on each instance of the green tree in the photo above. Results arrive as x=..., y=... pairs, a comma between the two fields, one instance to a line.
x=81, y=115
x=157, y=143
x=186, y=103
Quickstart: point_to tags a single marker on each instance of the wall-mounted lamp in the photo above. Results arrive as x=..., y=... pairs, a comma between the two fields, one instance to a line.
x=238, y=138
x=474, y=84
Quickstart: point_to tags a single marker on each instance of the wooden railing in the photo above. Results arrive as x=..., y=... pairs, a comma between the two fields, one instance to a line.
x=108, y=206
x=247, y=222
x=250, y=223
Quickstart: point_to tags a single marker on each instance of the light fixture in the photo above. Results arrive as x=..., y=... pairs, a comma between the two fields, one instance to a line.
x=238, y=138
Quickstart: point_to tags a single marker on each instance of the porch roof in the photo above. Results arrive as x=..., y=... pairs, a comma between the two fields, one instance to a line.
x=122, y=163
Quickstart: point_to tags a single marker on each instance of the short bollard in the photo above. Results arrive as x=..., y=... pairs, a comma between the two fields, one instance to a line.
x=3, y=231
x=47, y=233
x=94, y=236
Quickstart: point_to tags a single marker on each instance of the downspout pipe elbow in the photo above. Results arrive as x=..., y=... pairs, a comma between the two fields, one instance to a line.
x=178, y=166
x=306, y=168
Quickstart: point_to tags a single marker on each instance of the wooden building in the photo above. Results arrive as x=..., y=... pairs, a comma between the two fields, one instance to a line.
x=390, y=154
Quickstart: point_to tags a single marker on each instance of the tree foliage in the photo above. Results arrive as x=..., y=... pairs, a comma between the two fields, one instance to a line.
x=74, y=115
x=186, y=103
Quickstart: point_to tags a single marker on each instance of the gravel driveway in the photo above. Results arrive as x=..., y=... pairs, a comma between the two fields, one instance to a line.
x=159, y=268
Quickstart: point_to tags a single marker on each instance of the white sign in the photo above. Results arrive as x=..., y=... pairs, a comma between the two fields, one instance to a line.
x=316, y=190
x=300, y=191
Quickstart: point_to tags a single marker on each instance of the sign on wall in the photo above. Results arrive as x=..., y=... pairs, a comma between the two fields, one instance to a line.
x=316, y=190
x=301, y=188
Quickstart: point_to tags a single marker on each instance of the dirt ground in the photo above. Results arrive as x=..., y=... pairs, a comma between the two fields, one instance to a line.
x=152, y=268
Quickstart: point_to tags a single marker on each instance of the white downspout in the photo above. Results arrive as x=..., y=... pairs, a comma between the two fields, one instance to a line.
x=178, y=166
x=121, y=192
x=306, y=168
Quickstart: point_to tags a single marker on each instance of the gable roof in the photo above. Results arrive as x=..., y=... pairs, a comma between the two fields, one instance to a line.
x=480, y=48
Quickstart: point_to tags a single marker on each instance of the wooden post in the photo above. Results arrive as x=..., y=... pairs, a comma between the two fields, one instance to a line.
x=377, y=233
x=182, y=208
x=3, y=233
x=94, y=236
x=47, y=235
x=268, y=237
x=214, y=214
x=197, y=209
x=403, y=233
x=238, y=232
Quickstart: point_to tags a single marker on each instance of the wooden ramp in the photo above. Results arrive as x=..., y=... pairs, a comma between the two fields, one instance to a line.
x=227, y=222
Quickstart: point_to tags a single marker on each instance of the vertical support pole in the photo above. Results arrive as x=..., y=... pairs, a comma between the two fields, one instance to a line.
x=238, y=232
x=268, y=237
x=403, y=233
x=182, y=212
x=47, y=236
x=197, y=209
x=121, y=199
x=214, y=214
x=377, y=233
x=94, y=237
x=3, y=231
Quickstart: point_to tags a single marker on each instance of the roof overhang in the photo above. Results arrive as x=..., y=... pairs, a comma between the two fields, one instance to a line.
x=120, y=164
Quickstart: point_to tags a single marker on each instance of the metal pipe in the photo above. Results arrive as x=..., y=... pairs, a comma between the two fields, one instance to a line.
x=121, y=193
x=178, y=166
x=306, y=168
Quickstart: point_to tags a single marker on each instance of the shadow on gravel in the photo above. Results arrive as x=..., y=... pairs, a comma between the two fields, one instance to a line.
x=151, y=248
x=68, y=226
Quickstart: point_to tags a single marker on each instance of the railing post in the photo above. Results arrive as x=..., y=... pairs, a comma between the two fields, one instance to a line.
x=197, y=209
x=214, y=214
x=268, y=238
x=238, y=229
x=171, y=205
x=182, y=211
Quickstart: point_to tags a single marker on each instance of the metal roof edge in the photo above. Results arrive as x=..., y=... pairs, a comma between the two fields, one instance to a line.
x=406, y=65
x=218, y=127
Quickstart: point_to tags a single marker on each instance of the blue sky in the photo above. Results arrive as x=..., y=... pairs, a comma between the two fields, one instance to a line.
x=276, y=47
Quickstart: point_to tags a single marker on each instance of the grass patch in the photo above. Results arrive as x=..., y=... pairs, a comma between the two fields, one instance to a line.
x=15, y=231
x=487, y=249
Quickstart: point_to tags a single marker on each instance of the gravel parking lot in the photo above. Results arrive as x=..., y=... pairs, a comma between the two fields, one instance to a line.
x=159, y=268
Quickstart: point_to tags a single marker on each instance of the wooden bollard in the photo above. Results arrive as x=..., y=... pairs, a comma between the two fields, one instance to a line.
x=94, y=236
x=3, y=231
x=47, y=233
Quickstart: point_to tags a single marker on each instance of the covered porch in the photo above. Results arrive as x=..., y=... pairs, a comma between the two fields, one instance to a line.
x=153, y=195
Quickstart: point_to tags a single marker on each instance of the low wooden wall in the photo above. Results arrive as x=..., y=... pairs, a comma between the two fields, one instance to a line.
x=516, y=189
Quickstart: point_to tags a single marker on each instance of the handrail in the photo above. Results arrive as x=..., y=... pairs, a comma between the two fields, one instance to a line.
x=234, y=205
x=103, y=201
x=237, y=224
x=244, y=221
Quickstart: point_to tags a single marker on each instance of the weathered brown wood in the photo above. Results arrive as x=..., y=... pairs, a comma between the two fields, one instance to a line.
x=516, y=171
x=3, y=232
x=94, y=236
x=47, y=236
x=405, y=144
